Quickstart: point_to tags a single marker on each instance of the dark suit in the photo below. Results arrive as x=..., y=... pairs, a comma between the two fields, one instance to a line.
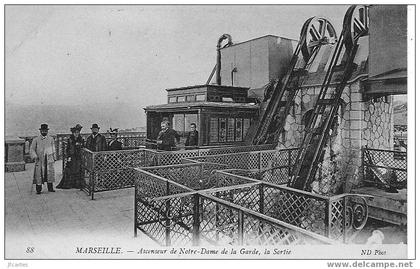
x=97, y=143
x=114, y=145
x=192, y=139
x=168, y=139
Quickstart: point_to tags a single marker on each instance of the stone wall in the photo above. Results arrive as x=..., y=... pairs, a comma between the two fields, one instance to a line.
x=360, y=123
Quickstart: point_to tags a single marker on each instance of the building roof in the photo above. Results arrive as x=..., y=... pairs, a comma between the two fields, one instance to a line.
x=222, y=87
x=201, y=105
x=260, y=37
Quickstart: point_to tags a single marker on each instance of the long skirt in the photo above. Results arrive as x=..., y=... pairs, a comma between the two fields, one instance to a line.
x=72, y=175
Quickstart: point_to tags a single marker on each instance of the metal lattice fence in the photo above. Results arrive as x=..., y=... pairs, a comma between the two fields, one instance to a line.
x=196, y=176
x=385, y=167
x=193, y=219
x=111, y=170
x=172, y=213
x=270, y=165
x=319, y=214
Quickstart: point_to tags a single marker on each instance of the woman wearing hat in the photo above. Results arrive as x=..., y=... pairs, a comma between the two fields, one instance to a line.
x=72, y=174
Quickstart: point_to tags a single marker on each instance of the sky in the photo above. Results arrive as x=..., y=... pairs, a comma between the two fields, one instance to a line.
x=130, y=54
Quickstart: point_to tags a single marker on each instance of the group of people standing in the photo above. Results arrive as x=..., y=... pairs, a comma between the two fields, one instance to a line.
x=43, y=150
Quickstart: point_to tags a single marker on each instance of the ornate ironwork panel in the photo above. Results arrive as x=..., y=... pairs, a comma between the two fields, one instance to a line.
x=262, y=232
x=168, y=221
x=218, y=223
x=300, y=209
x=390, y=166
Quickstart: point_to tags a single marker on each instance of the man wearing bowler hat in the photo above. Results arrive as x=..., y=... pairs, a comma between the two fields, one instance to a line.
x=96, y=141
x=42, y=151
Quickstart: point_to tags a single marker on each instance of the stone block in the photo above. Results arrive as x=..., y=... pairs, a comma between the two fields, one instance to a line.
x=355, y=125
x=14, y=154
x=356, y=97
x=356, y=115
x=14, y=167
x=356, y=106
x=355, y=134
x=355, y=143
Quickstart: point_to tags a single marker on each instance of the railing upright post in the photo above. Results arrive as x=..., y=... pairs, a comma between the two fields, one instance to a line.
x=94, y=174
x=344, y=218
x=196, y=220
x=135, y=208
x=289, y=162
x=167, y=214
x=240, y=227
x=327, y=218
x=63, y=159
x=363, y=165
x=261, y=195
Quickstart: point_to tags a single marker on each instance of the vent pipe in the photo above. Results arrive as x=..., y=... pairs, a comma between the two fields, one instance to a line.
x=219, y=56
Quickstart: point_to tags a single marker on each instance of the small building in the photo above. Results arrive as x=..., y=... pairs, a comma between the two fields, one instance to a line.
x=222, y=114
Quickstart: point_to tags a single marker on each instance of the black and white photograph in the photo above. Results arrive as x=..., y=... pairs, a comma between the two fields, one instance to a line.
x=136, y=132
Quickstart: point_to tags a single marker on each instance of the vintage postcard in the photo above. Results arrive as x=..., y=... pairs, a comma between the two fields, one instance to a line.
x=138, y=132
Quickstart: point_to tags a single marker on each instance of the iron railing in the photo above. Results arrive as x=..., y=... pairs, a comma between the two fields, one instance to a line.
x=129, y=140
x=269, y=165
x=385, y=167
x=220, y=211
x=111, y=170
x=175, y=215
x=337, y=217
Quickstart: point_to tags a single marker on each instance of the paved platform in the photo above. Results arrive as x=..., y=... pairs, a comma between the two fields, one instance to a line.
x=55, y=224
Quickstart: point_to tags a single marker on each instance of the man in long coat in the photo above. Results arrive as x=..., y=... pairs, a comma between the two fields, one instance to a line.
x=96, y=141
x=42, y=151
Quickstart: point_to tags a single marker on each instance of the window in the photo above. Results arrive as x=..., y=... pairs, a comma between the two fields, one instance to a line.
x=213, y=130
x=222, y=130
x=178, y=122
x=181, y=99
x=200, y=97
x=238, y=130
x=190, y=98
x=246, y=125
x=227, y=99
x=230, y=130
x=191, y=118
x=172, y=99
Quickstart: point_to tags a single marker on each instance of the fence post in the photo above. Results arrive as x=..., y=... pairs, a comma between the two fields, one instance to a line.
x=93, y=173
x=64, y=159
x=167, y=214
x=289, y=162
x=135, y=209
x=240, y=227
x=92, y=185
x=363, y=165
x=327, y=218
x=196, y=220
x=261, y=194
x=344, y=218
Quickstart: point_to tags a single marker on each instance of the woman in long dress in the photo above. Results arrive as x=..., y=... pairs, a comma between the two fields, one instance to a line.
x=72, y=174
